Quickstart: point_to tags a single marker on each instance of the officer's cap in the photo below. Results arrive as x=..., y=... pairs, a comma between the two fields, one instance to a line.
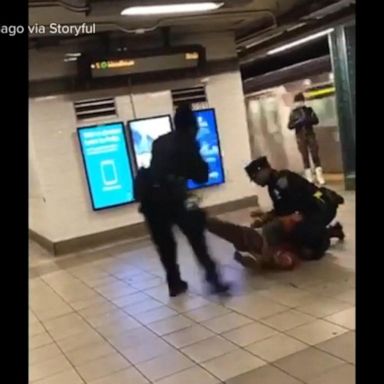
x=257, y=165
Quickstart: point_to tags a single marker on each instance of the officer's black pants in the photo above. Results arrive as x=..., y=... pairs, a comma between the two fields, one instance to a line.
x=160, y=219
x=312, y=232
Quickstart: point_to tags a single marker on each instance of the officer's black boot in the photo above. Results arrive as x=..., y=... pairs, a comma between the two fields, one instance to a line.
x=220, y=288
x=176, y=285
x=336, y=231
x=178, y=288
x=217, y=286
x=198, y=243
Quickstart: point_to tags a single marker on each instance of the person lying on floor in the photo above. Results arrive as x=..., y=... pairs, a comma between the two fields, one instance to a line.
x=297, y=229
x=268, y=250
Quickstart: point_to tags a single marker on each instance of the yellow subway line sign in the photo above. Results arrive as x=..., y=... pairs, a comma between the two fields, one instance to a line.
x=320, y=92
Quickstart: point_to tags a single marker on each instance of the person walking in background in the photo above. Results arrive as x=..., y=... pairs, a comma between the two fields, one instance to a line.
x=164, y=200
x=302, y=119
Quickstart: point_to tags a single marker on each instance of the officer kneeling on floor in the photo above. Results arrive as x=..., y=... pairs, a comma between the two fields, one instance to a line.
x=164, y=200
x=291, y=193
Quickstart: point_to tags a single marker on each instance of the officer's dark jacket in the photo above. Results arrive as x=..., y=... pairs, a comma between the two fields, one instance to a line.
x=302, y=118
x=178, y=155
x=291, y=193
x=175, y=160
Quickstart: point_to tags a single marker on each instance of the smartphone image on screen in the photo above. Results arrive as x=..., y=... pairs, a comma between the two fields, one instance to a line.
x=108, y=172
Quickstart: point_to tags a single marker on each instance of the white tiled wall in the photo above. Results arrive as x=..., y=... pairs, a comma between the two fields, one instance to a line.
x=60, y=169
x=38, y=218
x=279, y=146
x=67, y=211
x=286, y=153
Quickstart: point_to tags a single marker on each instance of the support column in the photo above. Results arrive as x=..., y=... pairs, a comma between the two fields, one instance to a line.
x=342, y=46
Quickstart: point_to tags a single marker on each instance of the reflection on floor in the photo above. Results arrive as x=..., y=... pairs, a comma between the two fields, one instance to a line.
x=103, y=317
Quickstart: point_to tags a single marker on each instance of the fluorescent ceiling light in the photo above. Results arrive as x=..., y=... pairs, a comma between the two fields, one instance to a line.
x=296, y=26
x=170, y=8
x=300, y=41
x=68, y=59
x=73, y=54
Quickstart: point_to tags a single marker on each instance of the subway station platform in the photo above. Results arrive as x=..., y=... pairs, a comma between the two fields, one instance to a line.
x=104, y=317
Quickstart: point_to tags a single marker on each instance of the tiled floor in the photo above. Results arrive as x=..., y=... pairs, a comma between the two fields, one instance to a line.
x=104, y=317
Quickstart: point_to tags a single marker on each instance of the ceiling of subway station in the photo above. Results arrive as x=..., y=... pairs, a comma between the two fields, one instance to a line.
x=257, y=25
x=249, y=19
x=233, y=15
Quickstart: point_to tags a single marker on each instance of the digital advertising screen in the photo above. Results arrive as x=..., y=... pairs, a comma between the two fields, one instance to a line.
x=208, y=139
x=143, y=133
x=107, y=165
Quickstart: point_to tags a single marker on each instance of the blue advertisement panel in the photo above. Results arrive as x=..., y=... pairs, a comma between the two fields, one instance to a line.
x=107, y=165
x=208, y=139
x=143, y=133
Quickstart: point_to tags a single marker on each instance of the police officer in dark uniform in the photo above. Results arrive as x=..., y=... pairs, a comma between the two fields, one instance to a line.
x=292, y=193
x=165, y=201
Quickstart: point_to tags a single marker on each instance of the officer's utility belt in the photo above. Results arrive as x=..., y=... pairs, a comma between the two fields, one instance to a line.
x=327, y=196
x=319, y=196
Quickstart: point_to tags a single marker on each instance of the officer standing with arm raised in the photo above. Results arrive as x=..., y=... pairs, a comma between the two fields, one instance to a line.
x=162, y=191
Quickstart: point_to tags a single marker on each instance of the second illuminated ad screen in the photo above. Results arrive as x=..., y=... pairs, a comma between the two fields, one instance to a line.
x=145, y=131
